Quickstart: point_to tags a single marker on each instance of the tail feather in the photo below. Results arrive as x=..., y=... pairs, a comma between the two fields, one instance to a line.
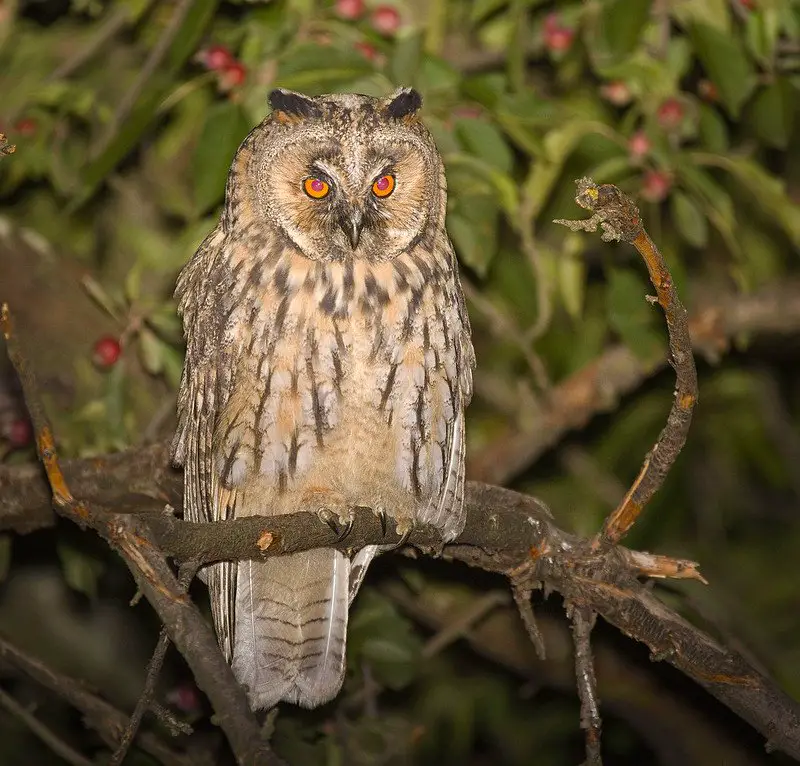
x=291, y=627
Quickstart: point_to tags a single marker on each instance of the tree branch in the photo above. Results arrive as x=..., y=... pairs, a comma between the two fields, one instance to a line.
x=504, y=531
x=43, y=732
x=619, y=219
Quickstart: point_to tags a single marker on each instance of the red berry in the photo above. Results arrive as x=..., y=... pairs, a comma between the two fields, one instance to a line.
x=215, y=57
x=655, y=186
x=366, y=50
x=708, y=91
x=639, y=145
x=552, y=21
x=349, y=9
x=559, y=40
x=670, y=114
x=748, y=5
x=233, y=75
x=386, y=20
x=20, y=433
x=617, y=92
x=106, y=351
x=186, y=698
x=26, y=126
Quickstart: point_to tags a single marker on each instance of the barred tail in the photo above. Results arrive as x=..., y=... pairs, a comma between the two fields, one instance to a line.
x=291, y=627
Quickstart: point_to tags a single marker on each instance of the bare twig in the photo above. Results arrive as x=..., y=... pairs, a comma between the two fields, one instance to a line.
x=44, y=733
x=133, y=541
x=619, y=219
x=582, y=623
x=522, y=598
x=464, y=622
x=187, y=574
x=143, y=703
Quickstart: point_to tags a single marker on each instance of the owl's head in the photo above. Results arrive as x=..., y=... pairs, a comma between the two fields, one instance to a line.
x=346, y=175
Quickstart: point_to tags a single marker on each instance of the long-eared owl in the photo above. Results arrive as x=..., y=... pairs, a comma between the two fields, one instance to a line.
x=328, y=365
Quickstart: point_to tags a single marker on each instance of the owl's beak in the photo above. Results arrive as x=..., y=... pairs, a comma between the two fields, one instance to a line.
x=351, y=225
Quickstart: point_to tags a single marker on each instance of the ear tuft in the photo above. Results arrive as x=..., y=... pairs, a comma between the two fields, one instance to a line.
x=293, y=104
x=406, y=102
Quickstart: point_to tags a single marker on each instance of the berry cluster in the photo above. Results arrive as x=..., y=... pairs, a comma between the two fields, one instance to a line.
x=230, y=71
x=384, y=19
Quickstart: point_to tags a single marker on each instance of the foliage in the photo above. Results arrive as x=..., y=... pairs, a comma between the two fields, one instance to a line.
x=120, y=167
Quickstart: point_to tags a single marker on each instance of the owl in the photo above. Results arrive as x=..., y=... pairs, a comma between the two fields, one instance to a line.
x=328, y=365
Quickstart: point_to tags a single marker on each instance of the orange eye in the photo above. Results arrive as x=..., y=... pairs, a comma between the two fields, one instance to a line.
x=384, y=186
x=316, y=187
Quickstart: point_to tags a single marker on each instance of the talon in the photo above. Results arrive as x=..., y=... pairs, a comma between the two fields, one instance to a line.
x=326, y=516
x=403, y=539
x=381, y=513
x=346, y=530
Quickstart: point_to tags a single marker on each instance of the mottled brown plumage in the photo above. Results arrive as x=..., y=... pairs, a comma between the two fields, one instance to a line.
x=328, y=365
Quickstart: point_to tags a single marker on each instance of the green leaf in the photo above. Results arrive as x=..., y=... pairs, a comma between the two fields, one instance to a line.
x=771, y=113
x=713, y=130
x=764, y=261
x=726, y=63
x=150, y=348
x=405, y=59
x=486, y=89
x=484, y=140
x=81, y=570
x=621, y=25
x=473, y=228
x=381, y=637
x=762, y=30
x=714, y=13
x=133, y=283
x=571, y=267
x=435, y=75
x=225, y=127
x=631, y=316
x=680, y=57
x=691, y=223
x=316, y=69
x=480, y=9
x=507, y=189
x=713, y=198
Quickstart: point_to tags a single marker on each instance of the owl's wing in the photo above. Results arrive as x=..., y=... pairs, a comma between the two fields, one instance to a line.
x=450, y=391
x=204, y=388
